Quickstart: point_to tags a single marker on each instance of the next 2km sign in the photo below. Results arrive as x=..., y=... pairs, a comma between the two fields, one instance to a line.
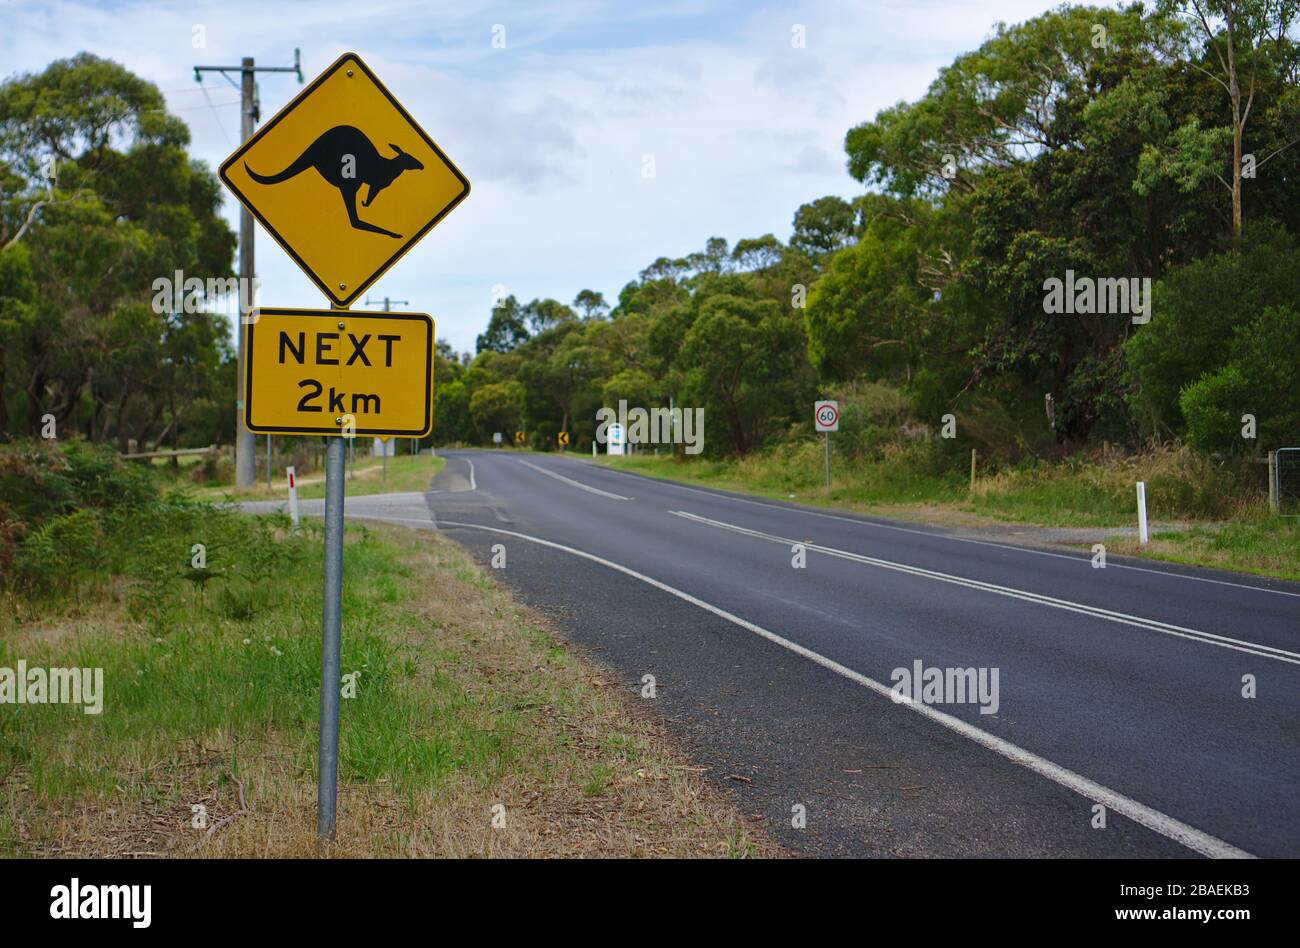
x=333, y=372
x=827, y=416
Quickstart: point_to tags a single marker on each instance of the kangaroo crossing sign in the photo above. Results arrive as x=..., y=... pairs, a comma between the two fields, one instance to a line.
x=336, y=372
x=344, y=179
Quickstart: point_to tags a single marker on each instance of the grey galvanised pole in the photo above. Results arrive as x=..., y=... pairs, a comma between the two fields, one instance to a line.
x=828, y=462
x=327, y=787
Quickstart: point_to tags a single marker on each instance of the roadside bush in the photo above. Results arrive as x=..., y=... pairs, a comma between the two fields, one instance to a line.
x=52, y=497
x=1199, y=308
x=303, y=458
x=879, y=420
x=872, y=414
x=12, y=532
x=61, y=551
x=1181, y=484
x=1262, y=378
x=40, y=480
x=72, y=515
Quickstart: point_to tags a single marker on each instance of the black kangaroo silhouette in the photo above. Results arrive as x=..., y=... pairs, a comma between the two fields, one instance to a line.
x=327, y=155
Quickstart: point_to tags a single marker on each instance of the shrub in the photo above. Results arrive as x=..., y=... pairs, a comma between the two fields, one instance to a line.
x=40, y=480
x=61, y=551
x=1261, y=378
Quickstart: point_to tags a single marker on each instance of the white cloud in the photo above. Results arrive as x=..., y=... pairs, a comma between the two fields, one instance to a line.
x=813, y=160
x=552, y=130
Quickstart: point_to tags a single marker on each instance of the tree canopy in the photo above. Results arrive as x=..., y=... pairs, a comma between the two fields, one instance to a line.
x=1115, y=149
x=98, y=199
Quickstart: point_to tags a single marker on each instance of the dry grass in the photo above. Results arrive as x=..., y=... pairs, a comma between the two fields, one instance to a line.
x=405, y=473
x=582, y=769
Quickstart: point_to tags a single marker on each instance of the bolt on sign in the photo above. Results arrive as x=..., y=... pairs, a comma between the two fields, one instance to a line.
x=344, y=179
x=332, y=372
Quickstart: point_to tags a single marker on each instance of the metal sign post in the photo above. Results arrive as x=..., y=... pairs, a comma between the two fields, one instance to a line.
x=331, y=642
x=828, y=461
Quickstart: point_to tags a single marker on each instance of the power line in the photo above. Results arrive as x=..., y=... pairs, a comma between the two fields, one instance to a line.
x=245, y=443
x=215, y=117
x=191, y=108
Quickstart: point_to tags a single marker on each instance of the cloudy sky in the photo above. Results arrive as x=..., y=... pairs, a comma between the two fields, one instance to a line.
x=553, y=130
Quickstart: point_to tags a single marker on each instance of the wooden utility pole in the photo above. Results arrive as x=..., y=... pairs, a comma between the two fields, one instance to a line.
x=245, y=442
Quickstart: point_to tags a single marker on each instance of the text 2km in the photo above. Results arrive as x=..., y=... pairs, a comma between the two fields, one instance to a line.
x=326, y=354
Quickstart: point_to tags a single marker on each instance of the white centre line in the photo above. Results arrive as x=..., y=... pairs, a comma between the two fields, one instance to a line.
x=1154, y=820
x=561, y=477
x=1155, y=625
x=788, y=508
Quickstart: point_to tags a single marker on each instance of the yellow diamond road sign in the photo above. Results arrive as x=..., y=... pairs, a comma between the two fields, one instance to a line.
x=344, y=179
x=332, y=372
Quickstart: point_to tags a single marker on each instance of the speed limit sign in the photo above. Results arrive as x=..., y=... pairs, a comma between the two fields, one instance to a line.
x=827, y=416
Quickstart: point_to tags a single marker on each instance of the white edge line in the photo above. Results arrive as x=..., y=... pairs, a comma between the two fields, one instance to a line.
x=1097, y=612
x=1140, y=813
x=1078, y=558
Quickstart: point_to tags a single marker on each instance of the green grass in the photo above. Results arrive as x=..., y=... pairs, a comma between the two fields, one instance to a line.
x=239, y=653
x=1057, y=501
x=1269, y=546
x=798, y=473
x=463, y=698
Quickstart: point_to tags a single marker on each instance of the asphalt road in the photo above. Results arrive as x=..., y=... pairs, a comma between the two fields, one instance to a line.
x=1119, y=690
